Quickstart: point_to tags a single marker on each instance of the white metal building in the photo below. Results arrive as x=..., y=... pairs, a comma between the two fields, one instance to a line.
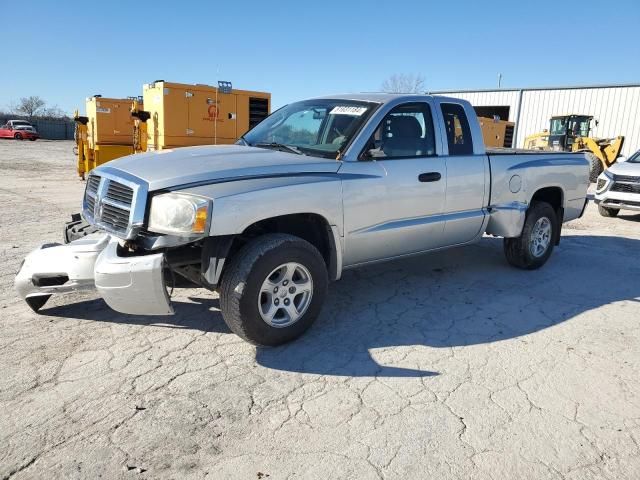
x=615, y=107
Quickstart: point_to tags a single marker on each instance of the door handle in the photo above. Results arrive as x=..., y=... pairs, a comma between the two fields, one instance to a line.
x=429, y=177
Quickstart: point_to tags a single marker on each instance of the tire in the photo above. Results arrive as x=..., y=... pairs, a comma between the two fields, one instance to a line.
x=595, y=167
x=242, y=294
x=519, y=250
x=608, y=212
x=33, y=139
x=18, y=136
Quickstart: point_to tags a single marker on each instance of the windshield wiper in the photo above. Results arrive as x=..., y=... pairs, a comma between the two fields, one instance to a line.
x=279, y=146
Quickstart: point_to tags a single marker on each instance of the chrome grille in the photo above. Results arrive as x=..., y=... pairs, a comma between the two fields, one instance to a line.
x=111, y=204
x=119, y=193
x=93, y=183
x=115, y=217
x=91, y=203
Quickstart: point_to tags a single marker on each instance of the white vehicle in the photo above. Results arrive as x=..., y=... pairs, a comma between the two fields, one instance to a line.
x=318, y=187
x=618, y=188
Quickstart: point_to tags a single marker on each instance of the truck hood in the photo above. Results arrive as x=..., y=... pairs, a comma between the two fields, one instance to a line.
x=625, y=168
x=209, y=164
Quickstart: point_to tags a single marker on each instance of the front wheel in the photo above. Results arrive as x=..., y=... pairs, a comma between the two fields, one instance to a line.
x=33, y=139
x=533, y=247
x=608, y=212
x=595, y=167
x=273, y=289
x=18, y=136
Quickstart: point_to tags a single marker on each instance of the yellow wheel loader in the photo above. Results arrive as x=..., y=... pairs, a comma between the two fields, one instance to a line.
x=570, y=133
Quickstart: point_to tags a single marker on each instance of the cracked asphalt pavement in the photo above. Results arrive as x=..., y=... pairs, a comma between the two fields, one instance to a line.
x=450, y=365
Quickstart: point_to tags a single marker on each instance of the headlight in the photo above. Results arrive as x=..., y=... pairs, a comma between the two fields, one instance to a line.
x=179, y=214
x=603, y=180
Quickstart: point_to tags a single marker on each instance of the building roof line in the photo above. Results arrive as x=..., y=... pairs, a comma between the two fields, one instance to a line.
x=529, y=89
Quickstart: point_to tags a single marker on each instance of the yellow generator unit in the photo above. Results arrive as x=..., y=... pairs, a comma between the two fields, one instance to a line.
x=496, y=132
x=183, y=115
x=105, y=133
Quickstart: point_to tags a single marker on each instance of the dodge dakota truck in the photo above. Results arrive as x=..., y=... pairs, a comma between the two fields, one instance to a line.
x=318, y=187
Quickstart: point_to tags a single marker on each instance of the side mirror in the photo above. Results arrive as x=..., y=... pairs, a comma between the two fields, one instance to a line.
x=374, y=153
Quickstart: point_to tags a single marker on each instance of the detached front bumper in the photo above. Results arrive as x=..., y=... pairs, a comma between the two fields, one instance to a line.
x=128, y=284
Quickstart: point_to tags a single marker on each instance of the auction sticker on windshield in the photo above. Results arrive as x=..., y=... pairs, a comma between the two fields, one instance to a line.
x=348, y=110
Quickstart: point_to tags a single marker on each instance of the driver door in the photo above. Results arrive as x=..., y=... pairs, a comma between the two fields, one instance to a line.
x=395, y=195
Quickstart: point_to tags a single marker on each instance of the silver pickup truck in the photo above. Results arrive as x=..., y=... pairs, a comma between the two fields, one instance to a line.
x=318, y=187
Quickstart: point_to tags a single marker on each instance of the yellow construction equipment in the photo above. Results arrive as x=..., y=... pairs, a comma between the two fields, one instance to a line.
x=105, y=133
x=182, y=115
x=496, y=132
x=168, y=115
x=570, y=133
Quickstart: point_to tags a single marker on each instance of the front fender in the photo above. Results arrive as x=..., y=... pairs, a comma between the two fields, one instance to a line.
x=239, y=204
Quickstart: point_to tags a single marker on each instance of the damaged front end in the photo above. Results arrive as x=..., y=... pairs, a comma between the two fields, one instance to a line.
x=128, y=283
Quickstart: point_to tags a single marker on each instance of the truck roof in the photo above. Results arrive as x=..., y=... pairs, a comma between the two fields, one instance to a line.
x=380, y=97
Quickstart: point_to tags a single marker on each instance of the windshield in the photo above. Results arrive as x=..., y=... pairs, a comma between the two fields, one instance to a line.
x=558, y=126
x=576, y=127
x=313, y=127
x=19, y=123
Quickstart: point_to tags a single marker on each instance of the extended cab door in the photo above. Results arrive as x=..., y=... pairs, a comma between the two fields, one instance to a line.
x=394, y=195
x=468, y=175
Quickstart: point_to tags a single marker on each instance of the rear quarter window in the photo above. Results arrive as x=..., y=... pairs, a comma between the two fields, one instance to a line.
x=457, y=129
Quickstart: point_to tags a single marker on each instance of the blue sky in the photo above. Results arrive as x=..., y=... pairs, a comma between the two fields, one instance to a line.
x=65, y=51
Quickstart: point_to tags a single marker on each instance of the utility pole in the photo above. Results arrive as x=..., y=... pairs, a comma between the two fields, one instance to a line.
x=499, y=80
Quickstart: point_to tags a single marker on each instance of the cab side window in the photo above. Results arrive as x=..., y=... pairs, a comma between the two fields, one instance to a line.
x=457, y=129
x=406, y=132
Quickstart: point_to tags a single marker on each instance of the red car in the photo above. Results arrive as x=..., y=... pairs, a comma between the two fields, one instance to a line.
x=19, y=129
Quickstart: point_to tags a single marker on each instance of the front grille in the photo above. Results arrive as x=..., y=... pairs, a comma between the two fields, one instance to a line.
x=93, y=183
x=258, y=111
x=91, y=203
x=120, y=193
x=108, y=204
x=115, y=217
x=626, y=178
x=626, y=187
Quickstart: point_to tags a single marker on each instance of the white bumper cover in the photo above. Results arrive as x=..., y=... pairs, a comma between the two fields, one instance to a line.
x=128, y=284
x=133, y=284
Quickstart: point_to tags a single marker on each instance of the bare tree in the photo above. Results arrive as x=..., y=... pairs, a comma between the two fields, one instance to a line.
x=30, y=106
x=404, y=83
x=53, y=112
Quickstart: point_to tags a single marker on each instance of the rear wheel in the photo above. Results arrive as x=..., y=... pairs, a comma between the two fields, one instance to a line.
x=18, y=136
x=273, y=289
x=595, y=167
x=533, y=247
x=608, y=212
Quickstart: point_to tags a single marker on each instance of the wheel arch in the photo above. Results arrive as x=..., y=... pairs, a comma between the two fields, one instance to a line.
x=554, y=196
x=311, y=227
